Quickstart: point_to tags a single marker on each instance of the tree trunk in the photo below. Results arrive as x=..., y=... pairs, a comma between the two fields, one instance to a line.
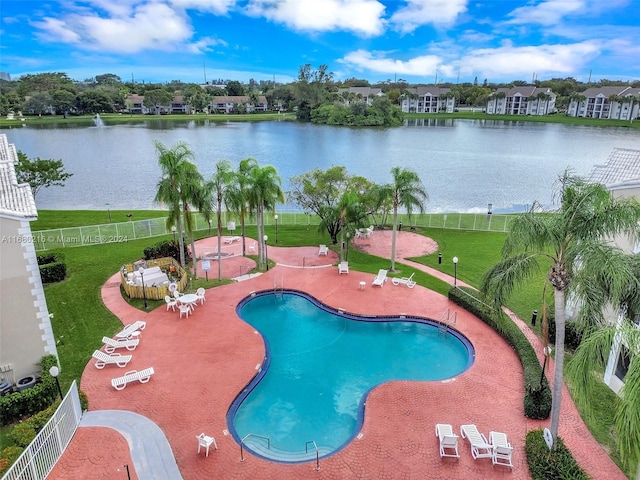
x=194, y=256
x=181, y=240
x=219, y=219
x=393, y=238
x=559, y=364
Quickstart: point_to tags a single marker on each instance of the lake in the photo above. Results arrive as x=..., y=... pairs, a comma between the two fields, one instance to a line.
x=464, y=164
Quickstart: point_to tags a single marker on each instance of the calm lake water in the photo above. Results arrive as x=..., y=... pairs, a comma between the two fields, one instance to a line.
x=464, y=164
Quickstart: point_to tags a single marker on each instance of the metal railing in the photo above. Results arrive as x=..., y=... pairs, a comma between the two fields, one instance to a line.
x=252, y=435
x=306, y=449
x=39, y=458
x=156, y=227
x=447, y=319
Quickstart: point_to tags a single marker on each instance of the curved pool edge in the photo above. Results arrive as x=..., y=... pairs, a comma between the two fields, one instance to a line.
x=288, y=457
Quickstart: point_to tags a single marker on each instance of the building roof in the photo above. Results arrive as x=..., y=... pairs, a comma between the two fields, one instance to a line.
x=606, y=91
x=237, y=99
x=364, y=91
x=16, y=200
x=431, y=90
x=621, y=170
x=527, y=91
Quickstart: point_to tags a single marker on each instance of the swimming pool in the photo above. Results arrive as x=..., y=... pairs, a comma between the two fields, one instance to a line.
x=319, y=366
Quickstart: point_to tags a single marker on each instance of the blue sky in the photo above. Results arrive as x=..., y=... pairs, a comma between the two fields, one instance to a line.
x=414, y=40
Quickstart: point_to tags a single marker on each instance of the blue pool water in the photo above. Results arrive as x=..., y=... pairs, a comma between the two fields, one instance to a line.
x=319, y=366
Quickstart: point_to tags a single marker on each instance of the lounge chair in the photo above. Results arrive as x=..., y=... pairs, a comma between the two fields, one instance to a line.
x=448, y=440
x=480, y=448
x=130, y=329
x=408, y=281
x=142, y=376
x=343, y=267
x=502, y=449
x=323, y=250
x=110, y=344
x=103, y=359
x=380, y=278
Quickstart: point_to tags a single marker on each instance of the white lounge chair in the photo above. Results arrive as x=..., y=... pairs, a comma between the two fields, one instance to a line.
x=230, y=240
x=206, y=441
x=142, y=376
x=111, y=344
x=323, y=250
x=480, y=448
x=502, y=449
x=343, y=267
x=408, y=281
x=128, y=330
x=103, y=359
x=448, y=440
x=380, y=278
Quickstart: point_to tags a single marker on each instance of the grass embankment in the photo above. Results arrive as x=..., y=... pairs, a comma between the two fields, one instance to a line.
x=123, y=118
x=80, y=318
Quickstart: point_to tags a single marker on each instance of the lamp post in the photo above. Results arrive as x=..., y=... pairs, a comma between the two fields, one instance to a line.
x=144, y=291
x=348, y=236
x=53, y=371
x=126, y=467
x=173, y=230
x=546, y=352
x=455, y=271
x=276, y=218
x=266, y=256
x=489, y=211
x=108, y=211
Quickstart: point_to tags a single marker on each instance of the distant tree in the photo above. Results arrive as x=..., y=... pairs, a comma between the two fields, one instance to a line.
x=235, y=88
x=44, y=82
x=93, y=101
x=63, y=101
x=38, y=103
x=40, y=173
x=156, y=98
x=108, y=79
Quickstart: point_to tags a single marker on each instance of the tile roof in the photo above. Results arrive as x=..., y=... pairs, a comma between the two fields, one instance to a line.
x=622, y=168
x=16, y=200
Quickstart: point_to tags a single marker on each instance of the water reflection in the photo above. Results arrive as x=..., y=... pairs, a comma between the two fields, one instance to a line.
x=429, y=122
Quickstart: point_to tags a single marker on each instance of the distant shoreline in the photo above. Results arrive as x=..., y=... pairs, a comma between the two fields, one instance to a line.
x=123, y=119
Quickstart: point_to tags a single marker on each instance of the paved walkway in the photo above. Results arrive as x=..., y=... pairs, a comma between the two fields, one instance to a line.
x=202, y=363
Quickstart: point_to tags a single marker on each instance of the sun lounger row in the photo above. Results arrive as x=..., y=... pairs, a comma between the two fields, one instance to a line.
x=408, y=281
x=497, y=448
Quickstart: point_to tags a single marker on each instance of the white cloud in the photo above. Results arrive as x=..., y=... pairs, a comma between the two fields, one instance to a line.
x=509, y=61
x=425, y=12
x=379, y=63
x=549, y=12
x=363, y=17
x=56, y=30
x=218, y=7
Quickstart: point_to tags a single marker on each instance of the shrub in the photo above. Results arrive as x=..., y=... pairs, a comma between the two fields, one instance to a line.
x=84, y=400
x=52, y=268
x=33, y=400
x=557, y=464
x=537, y=397
x=8, y=456
x=572, y=333
x=24, y=433
x=166, y=248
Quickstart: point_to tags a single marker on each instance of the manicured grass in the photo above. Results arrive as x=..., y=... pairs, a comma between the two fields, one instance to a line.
x=52, y=219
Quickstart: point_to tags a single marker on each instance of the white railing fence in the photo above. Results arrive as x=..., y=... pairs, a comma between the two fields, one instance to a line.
x=39, y=458
x=155, y=227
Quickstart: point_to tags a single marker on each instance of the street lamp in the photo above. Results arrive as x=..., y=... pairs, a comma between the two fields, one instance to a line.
x=173, y=230
x=546, y=352
x=126, y=466
x=53, y=371
x=109, y=211
x=276, y=218
x=455, y=271
x=348, y=235
x=266, y=255
x=144, y=291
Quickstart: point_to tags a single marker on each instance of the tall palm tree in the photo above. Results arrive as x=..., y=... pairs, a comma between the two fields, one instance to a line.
x=265, y=192
x=406, y=191
x=177, y=172
x=221, y=178
x=238, y=194
x=573, y=244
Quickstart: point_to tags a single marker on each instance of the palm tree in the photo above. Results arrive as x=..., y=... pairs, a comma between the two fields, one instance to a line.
x=265, y=192
x=221, y=178
x=406, y=191
x=177, y=173
x=574, y=241
x=238, y=194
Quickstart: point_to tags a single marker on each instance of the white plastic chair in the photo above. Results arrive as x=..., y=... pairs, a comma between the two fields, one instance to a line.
x=343, y=267
x=480, y=448
x=184, y=309
x=200, y=292
x=171, y=303
x=206, y=441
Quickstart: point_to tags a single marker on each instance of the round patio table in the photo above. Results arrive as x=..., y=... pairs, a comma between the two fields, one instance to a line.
x=188, y=299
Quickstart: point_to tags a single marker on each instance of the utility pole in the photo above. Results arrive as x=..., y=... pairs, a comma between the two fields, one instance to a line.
x=204, y=68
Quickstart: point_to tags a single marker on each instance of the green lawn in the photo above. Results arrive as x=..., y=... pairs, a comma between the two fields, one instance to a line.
x=80, y=319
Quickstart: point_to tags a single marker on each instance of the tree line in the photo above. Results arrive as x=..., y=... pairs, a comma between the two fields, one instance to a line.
x=314, y=88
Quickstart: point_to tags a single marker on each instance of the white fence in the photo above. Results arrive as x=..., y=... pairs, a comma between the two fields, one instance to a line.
x=155, y=227
x=39, y=458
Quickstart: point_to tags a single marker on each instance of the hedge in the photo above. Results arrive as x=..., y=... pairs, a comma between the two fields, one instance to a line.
x=8, y=456
x=52, y=268
x=537, y=397
x=545, y=464
x=166, y=248
x=17, y=405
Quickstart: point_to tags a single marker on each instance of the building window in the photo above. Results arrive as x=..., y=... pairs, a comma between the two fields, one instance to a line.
x=624, y=359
